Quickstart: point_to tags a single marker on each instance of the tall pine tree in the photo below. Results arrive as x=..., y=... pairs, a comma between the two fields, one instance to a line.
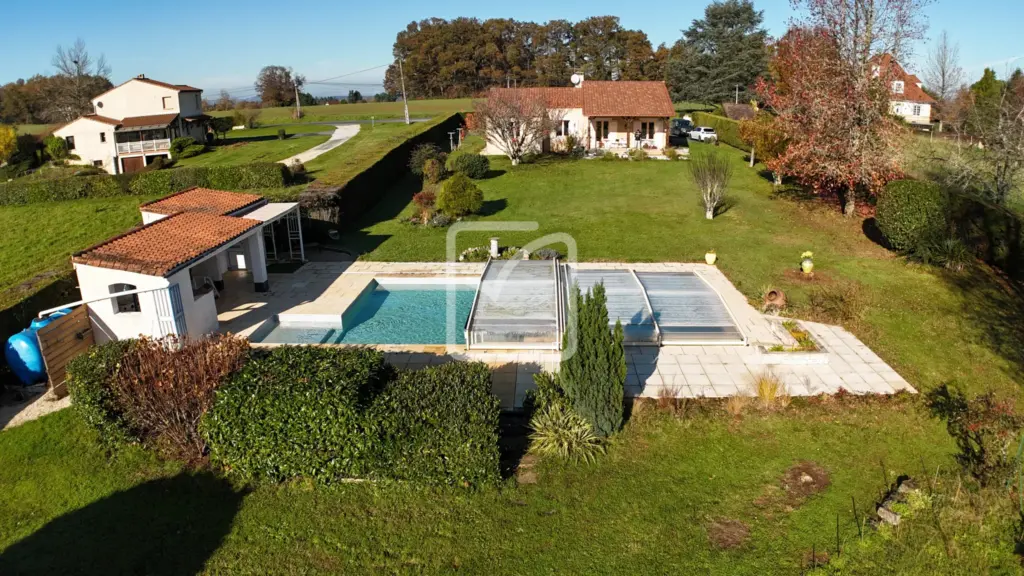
x=594, y=374
x=725, y=49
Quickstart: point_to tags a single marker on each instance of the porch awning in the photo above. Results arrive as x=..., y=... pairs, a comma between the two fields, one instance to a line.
x=271, y=212
x=200, y=118
x=153, y=122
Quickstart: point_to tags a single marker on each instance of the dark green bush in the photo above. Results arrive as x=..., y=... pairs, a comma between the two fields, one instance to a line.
x=438, y=426
x=241, y=177
x=912, y=213
x=472, y=165
x=178, y=145
x=193, y=150
x=594, y=376
x=433, y=171
x=421, y=154
x=89, y=383
x=728, y=130
x=31, y=190
x=281, y=134
x=297, y=411
x=460, y=196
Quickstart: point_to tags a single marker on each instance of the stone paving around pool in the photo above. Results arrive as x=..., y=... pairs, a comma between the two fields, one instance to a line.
x=679, y=371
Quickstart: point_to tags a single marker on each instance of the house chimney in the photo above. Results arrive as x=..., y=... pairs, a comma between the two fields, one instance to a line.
x=577, y=79
x=141, y=76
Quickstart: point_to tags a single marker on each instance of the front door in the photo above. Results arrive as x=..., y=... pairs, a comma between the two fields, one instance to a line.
x=132, y=164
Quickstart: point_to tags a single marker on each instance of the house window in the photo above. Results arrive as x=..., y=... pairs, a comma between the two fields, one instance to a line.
x=198, y=103
x=167, y=102
x=647, y=130
x=897, y=87
x=563, y=128
x=103, y=136
x=917, y=110
x=71, y=142
x=127, y=303
x=602, y=129
x=97, y=163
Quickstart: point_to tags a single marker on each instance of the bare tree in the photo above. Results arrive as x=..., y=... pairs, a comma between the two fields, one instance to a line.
x=994, y=168
x=711, y=173
x=79, y=78
x=516, y=121
x=943, y=74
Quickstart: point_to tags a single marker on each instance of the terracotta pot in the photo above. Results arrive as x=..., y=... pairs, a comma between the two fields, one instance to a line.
x=711, y=258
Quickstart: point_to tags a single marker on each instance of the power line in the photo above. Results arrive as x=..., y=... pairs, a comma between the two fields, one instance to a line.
x=325, y=81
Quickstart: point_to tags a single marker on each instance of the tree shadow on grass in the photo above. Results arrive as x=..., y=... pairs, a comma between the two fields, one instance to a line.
x=493, y=174
x=996, y=306
x=166, y=526
x=871, y=230
x=492, y=207
x=728, y=203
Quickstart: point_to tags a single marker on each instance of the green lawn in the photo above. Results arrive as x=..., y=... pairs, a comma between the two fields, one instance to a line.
x=257, y=149
x=647, y=504
x=931, y=326
x=361, y=111
x=38, y=239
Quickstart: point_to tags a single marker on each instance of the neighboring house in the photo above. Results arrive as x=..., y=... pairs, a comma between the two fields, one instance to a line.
x=603, y=114
x=164, y=277
x=907, y=99
x=133, y=124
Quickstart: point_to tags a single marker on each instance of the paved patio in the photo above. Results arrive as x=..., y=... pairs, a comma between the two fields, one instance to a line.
x=678, y=371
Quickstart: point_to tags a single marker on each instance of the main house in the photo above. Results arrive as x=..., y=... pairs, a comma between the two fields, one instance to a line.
x=907, y=98
x=133, y=124
x=604, y=114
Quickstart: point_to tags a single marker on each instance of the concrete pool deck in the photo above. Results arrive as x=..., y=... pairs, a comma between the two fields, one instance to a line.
x=679, y=371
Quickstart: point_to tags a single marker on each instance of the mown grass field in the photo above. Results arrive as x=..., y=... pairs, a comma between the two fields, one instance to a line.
x=38, y=239
x=645, y=507
x=931, y=325
x=361, y=111
x=254, y=149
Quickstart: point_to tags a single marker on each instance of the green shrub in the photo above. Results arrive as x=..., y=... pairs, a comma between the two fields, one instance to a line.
x=297, y=411
x=460, y=196
x=193, y=150
x=561, y=433
x=636, y=154
x=421, y=154
x=986, y=431
x=728, y=130
x=912, y=213
x=281, y=134
x=472, y=165
x=240, y=177
x=31, y=190
x=438, y=426
x=433, y=171
x=178, y=145
x=593, y=370
x=89, y=379
x=56, y=147
x=837, y=303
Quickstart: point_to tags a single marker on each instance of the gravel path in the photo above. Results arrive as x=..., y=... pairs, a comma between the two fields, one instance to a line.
x=341, y=135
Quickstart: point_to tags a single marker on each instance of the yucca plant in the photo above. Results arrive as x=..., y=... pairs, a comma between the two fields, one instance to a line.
x=954, y=254
x=560, y=432
x=711, y=173
x=770, y=391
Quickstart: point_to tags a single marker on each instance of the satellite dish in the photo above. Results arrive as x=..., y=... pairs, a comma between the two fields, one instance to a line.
x=575, y=79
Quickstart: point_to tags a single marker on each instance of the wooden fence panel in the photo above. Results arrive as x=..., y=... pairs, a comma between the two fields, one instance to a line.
x=62, y=340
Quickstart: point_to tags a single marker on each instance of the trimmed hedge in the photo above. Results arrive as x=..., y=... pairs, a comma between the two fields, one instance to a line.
x=327, y=413
x=912, y=213
x=89, y=377
x=153, y=183
x=728, y=130
x=438, y=426
x=297, y=411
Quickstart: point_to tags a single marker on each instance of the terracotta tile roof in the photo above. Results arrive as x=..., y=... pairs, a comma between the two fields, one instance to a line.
x=626, y=98
x=911, y=91
x=153, y=120
x=554, y=97
x=205, y=200
x=163, y=247
x=96, y=117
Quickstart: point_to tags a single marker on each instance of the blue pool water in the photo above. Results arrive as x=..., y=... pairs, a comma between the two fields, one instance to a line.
x=398, y=314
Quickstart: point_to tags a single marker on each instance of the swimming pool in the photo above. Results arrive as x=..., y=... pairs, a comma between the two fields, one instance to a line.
x=386, y=313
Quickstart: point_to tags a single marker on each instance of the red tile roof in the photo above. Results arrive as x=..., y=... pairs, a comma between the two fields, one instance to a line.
x=152, y=120
x=205, y=200
x=626, y=98
x=602, y=98
x=103, y=119
x=911, y=91
x=165, y=246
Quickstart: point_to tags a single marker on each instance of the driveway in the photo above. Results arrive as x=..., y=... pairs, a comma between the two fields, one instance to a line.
x=341, y=135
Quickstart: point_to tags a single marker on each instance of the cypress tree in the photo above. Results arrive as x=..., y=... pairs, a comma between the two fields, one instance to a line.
x=594, y=374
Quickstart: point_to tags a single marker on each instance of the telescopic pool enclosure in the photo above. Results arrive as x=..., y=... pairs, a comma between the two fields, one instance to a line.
x=523, y=304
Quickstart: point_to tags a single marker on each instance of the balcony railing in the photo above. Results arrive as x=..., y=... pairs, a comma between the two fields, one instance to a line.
x=161, y=145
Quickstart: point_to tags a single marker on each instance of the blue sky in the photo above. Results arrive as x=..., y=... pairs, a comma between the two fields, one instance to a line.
x=224, y=44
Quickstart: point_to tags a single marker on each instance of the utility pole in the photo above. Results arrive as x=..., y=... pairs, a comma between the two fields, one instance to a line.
x=405, y=99
x=298, y=102
x=737, y=93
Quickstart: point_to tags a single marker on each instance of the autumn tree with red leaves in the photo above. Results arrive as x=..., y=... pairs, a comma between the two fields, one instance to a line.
x=830, y=90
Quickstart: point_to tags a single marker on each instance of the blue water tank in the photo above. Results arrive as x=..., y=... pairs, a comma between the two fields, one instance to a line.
x=23, y=354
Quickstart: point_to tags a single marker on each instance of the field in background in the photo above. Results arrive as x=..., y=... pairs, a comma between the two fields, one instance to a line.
x=38, y=239
x=361, y=111
x=253, y=149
